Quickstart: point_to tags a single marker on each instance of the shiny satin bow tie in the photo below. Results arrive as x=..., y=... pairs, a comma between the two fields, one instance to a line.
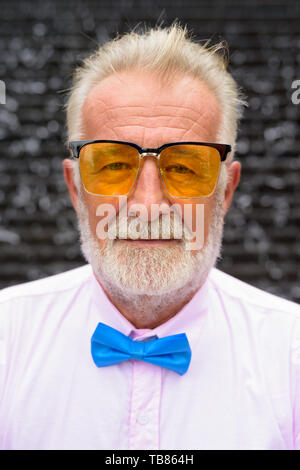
x=110, y=346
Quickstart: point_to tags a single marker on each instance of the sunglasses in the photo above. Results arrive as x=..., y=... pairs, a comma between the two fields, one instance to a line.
x=187, y=169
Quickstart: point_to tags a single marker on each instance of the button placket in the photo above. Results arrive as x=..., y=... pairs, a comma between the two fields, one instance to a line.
x=145, y=406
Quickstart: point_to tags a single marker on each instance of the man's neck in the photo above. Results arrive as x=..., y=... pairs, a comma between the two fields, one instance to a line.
x=149, y=311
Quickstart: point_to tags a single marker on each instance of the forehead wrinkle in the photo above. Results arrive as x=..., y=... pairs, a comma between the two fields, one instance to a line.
x=115, y=120
x=179, y=121
x=144, y=127
x=151, y=120
x=196, y=111
x=159, y=110
x=132, y=106
x=113, y=115
x=152, y=103
x=163, y=132
x=149, y=111
x=194, y=129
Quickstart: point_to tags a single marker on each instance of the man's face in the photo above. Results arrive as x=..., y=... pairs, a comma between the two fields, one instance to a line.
x=135, y=107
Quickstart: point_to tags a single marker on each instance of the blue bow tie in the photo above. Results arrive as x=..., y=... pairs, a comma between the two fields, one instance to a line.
x=110, y=346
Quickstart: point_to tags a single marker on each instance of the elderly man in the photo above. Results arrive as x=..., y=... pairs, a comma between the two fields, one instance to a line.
x=149, y=346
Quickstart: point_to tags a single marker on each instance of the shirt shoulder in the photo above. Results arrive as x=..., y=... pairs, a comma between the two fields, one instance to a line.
x=48, y=286
x=255, y=299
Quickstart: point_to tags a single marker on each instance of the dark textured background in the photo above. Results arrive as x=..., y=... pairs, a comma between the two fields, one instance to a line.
x=41, y=42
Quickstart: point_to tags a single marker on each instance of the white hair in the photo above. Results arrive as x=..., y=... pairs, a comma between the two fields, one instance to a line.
x=164, y=51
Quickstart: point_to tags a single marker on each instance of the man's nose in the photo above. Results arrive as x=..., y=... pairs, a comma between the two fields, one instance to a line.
x=149, y=187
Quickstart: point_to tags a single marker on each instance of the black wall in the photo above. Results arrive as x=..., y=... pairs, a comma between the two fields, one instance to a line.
x=42, y=41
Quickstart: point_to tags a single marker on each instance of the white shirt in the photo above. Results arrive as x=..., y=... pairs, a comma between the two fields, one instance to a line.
x=241, y=391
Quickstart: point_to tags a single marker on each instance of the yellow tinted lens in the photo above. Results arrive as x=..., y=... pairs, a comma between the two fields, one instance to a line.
x=108, y=169
x=190, y=170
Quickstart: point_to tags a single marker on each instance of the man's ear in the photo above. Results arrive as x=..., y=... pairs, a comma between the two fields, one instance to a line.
x=69, y=175
x=234, y=173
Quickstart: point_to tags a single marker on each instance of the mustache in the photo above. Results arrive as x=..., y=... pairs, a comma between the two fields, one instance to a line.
x=162, y=228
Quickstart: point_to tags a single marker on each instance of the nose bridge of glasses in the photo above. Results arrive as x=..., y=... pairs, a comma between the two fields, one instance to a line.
x=150, y=153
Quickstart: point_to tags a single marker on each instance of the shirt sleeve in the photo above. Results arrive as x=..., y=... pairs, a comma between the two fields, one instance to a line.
x=295, y=376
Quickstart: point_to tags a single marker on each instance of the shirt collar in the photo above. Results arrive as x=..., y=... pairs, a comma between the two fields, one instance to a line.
x=187, y=320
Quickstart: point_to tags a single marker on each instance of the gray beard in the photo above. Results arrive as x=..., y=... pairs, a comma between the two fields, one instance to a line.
x=150, y=280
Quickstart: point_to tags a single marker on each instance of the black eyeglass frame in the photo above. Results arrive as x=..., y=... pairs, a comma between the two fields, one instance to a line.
x=223, y=149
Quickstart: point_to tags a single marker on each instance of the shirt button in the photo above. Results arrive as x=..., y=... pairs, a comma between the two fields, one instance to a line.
x=143, y=418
